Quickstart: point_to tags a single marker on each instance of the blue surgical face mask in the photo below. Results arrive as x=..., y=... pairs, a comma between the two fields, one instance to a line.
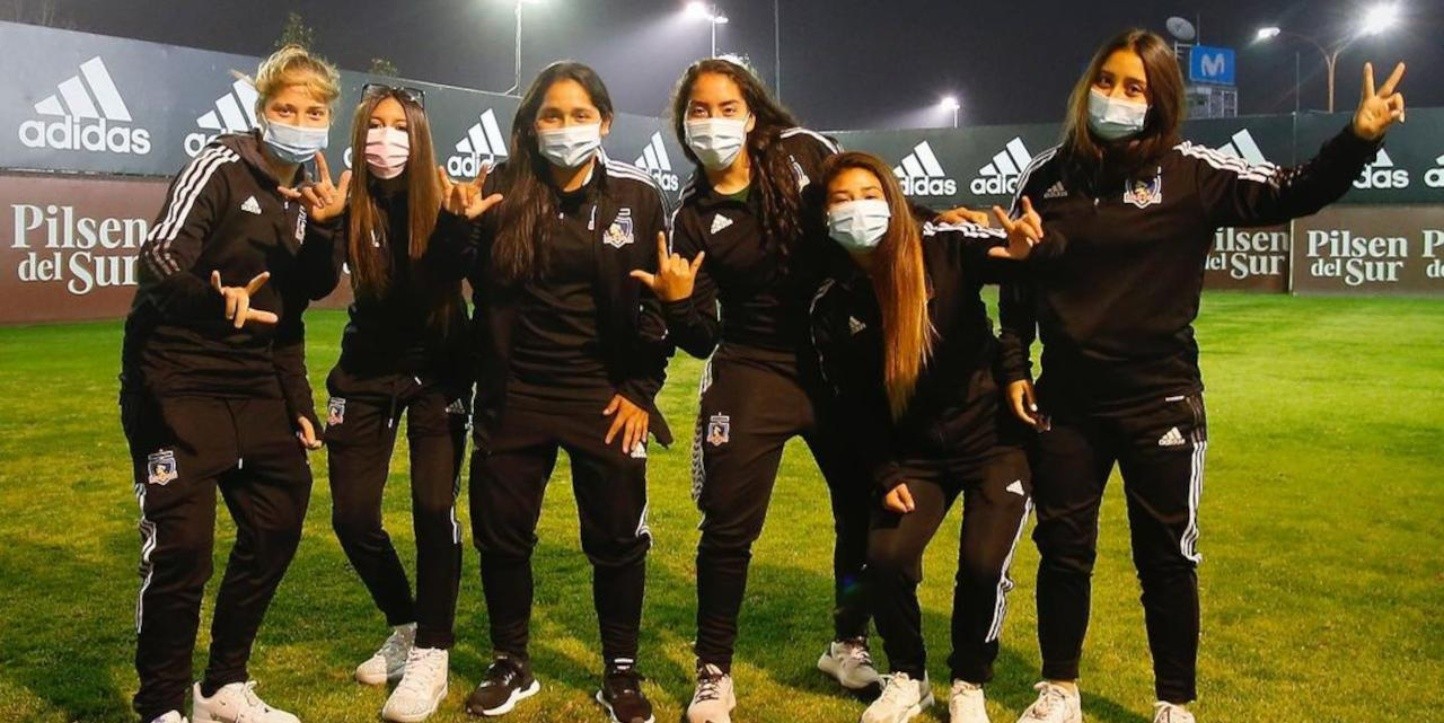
x=294, y=144
x=716, y=141
x=859, y=225
x=1112, y=119
x=571, y=146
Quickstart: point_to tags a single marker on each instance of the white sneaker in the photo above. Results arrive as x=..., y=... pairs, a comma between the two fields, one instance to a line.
x=1170, y=713
x=1055, y=704
x=902, y=700
x=966, y=703
x=390, y=660
x=423, y=687
x=235, y=703
x=714, y=698
x=170, y=716
x=850, y=663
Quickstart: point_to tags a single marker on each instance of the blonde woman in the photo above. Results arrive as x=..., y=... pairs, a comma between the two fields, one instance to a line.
x=213, y=387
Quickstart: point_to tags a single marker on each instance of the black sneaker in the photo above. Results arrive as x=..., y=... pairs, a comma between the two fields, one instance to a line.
x=621, y=695
x=508, y=680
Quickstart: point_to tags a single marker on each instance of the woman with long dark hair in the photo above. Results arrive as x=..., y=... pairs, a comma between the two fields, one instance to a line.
x=1130, y=213
x=905, y=342
x=213, y=391
x=404, y=352
x=752, y=208
x=571, y=352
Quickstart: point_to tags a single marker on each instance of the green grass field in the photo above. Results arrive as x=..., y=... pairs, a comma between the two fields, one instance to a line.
x=1323, y=578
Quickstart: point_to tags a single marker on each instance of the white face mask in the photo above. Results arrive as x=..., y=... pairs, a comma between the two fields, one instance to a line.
x=859, y=225
x=716, y=141
x=1112, y=119
x=570, y=146
x=387, y=150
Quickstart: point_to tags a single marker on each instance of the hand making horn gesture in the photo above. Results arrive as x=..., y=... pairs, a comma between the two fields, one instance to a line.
x=1023, y=233
x=238, y=300
x=675, y=275
x=1379, y=110
x=323, y=200
x=465, y=199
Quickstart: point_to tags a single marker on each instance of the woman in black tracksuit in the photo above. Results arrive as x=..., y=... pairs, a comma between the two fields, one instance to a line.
x=571, y=352
x=747, y=208
x=404, y=352
x=1130, y=213
x=214, y=392
x=905, y=343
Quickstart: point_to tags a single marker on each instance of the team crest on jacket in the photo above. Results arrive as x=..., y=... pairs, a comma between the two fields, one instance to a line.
x=719, y=430
x=619, y=234
x=335, y=411
x=1144, y=192
x=161, y=468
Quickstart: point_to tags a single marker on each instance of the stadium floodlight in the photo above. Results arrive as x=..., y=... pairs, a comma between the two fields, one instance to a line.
x=516, y=81
x=1376, y=20
x=703, y=11
x=950, y=103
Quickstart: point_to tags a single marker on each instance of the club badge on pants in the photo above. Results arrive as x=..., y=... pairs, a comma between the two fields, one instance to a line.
x=719, y=430
x=161, y=468
x=335, y=411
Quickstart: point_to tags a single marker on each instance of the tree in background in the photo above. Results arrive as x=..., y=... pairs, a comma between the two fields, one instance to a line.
x=296, y=32
x=384, y=67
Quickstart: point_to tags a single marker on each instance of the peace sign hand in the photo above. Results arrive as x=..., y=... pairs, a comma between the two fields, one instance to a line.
x=675, y=275
x=323, y=200
x=238, y=300
x=1378, y=111
x=464, y=199
x=1023, y=234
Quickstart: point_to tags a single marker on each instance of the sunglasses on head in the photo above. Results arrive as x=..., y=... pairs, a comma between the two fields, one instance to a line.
x=415, y=95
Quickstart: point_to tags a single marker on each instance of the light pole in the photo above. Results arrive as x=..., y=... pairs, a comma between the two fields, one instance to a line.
x=1378, y=19
x=704, y=11
x=516, y=82
x=950, y=103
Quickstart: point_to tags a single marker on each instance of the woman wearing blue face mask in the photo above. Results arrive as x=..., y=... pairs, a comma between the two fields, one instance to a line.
x=213, y=387
x=1130, y=213
x=570, y=354
x=905, y=344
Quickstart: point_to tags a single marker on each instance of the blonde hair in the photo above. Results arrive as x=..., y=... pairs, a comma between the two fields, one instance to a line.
x=294, y=65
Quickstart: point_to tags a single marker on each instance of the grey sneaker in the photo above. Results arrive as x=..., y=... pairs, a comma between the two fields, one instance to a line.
x=1170, y=713
x=389, y=662
x=966, y=703
x=423, y=687
x=714, y=698
x=1055, y=704
x=235, y=703
x=902, y=700
x=851, y=664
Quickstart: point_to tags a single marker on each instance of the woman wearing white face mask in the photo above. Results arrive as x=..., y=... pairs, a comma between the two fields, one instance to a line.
x=752, y=210
x=1130, y=214
x=214, y=391
x=571, y=353
x=403, y=352
x=905, y=343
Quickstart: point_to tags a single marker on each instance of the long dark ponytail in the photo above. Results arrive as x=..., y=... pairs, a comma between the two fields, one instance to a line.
x=519, y=251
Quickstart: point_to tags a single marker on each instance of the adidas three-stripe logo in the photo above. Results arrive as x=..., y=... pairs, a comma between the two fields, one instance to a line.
x=1243, y=146
x=88, y=114
x=483, y=142
x=234, y=112
x=1000, y=176
x=654, y=156
x=922, y=175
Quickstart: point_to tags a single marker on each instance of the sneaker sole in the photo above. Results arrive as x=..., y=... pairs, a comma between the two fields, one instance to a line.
x=612, y=714
x=516, y=697
x=390, y=677
x=912, y=712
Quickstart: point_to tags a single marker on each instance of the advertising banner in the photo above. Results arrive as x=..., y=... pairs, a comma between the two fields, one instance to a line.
x=1370, y=250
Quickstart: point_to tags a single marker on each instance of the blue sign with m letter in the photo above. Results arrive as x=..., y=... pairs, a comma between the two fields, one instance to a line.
x=1208, y=64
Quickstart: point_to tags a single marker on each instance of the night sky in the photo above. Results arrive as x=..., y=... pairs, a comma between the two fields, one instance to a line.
x=845, y=63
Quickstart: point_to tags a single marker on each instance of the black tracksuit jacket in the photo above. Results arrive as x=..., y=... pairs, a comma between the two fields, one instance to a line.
x=223, y=212
x=1114, y=287
x=956, y=410
x=634, y=340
